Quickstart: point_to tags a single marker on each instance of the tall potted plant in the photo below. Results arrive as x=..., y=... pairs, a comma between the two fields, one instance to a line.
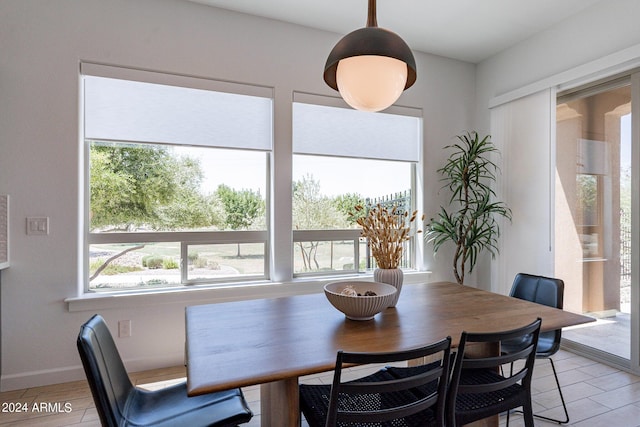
x=470, y=221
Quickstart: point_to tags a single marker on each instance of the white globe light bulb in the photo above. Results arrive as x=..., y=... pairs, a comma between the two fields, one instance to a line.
x=369, y=82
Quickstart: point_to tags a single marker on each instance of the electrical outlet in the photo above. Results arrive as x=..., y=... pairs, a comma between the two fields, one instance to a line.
x=124, y=328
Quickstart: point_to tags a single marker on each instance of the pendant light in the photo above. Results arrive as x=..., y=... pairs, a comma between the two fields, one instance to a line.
x=371, y=66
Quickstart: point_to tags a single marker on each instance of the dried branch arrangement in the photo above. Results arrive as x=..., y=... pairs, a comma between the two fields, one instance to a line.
x=386, y=231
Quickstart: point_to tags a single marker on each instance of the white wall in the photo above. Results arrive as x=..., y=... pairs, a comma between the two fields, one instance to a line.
x=602, y=40
x=41, y=45
x=604, y=29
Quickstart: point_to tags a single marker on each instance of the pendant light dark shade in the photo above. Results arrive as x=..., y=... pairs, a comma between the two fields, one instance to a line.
x=379, y=51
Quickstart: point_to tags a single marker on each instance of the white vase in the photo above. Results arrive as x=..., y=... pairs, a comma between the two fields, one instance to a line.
x=391, y=276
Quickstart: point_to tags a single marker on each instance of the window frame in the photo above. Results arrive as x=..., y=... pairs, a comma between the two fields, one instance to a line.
x=279, y=239
x=415, y=249
x=184, y=238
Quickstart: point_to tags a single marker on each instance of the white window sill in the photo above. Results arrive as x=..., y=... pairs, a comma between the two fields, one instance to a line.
x=209, y=295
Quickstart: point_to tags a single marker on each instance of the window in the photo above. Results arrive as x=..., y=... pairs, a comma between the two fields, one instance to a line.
x=596, y=215
x=177, y=179
x=343, y=157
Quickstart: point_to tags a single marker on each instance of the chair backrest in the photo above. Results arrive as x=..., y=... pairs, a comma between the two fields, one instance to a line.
x=542, y=290
x=109, y=382
x=421, y=390
x=548, y=291
x=493, y=383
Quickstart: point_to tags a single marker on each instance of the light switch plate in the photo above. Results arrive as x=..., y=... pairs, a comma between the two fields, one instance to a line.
x=38, y=225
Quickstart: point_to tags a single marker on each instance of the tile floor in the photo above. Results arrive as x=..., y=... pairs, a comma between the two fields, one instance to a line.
x=609, y=334
x=596, y=394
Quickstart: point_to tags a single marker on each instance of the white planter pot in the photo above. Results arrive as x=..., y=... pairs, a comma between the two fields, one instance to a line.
x=392, y=276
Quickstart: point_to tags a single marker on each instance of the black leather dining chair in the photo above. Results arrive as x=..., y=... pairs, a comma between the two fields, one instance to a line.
x=121, y=404
x=381, y=399
x=477, y=389
x=550, y=292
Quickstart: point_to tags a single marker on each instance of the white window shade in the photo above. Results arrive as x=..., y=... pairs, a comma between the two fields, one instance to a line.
x=125, y=110
x=333, y=131
x=523, y=131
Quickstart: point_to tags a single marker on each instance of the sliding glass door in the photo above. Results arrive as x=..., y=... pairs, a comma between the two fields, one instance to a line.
x=593, y=215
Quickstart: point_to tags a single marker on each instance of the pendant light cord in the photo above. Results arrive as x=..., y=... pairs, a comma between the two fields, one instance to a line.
x=372, y=21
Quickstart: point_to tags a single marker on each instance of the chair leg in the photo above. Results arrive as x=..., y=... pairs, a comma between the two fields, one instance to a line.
x=564, y=405
x=508, y=410
x=527, y=411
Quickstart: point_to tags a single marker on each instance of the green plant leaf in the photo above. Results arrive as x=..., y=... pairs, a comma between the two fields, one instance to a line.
x=469, y=175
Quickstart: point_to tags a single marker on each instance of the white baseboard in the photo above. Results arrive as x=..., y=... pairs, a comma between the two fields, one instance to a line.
x=45, y=377
x=31, y=379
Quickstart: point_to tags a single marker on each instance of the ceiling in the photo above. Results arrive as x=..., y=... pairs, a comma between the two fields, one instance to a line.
x=469, y=30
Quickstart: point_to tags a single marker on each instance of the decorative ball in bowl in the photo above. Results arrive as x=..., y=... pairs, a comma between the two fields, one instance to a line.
x=359, y=300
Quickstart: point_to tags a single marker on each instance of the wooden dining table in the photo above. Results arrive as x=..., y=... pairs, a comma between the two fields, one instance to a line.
x=273, y=342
